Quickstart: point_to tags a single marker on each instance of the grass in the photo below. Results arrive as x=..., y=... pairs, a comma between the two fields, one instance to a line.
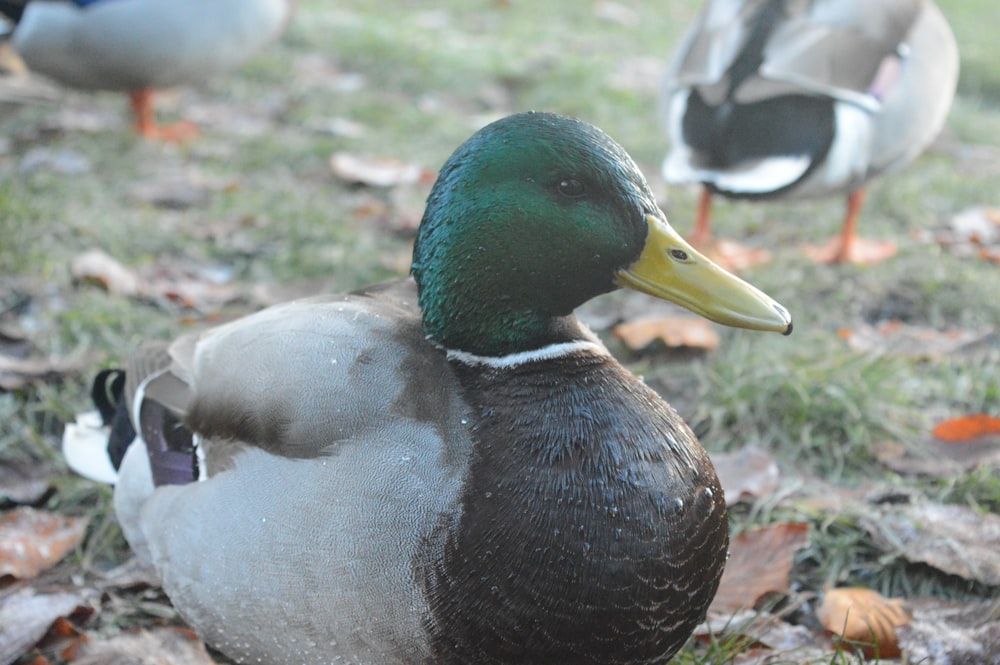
x=420, y=81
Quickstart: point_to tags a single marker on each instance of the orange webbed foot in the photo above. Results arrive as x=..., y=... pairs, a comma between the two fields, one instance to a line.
x=860, y=251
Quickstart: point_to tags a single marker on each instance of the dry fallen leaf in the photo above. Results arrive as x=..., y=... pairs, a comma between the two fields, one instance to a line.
x=96, y=266
x=761, y=630
x=749, y=472
x=160, y=646
x=946, y=633
x=939, y=459
x=674, y=331
x=896, y=338
x=979, y=225
x=21, y=363
x=759, y=563
x=957, y=445
x=954, y=539
x=374, y=171
x=24, y=483
x=25, y=617
x=863, y=618
x=199, y=288
x=34, y=540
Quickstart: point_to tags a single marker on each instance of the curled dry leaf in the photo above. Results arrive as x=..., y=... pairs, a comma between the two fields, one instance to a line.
x=674, y=331
x=25, y=617
x=957, y=445
x=96, y=266
x=23, y=483
x=374, y=171
x=864, y=618
x=21, y=363
x=16, y=373
x=748, y=472
x=34, y=540
x=954, y=539
x=197, y=288
x=973, y=232
x=761, y=630
x=160, y=646
x=759, y=563
x=896, y=338
x=946, y=633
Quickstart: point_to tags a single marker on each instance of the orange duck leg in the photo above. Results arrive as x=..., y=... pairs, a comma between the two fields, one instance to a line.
x=145, y=121
x=730, y=255
x=849, y=247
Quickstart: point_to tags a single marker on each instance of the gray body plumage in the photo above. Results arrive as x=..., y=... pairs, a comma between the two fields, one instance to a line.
x=310, y=524
x=127, y=45
x=844, y=51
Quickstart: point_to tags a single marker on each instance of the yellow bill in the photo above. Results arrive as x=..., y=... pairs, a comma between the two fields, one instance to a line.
x=671, y=269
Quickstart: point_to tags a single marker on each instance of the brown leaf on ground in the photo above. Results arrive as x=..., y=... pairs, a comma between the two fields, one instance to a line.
x=804, y=656
x=673, y=331
x=192, y=293
x=96, y=266
x=25, y=618
x=761, y=631
x=895, y=338
x=945, y=633
x=863, y=618
x=24, y=483
x=160, y=646
x=374, y=171
x=22, y=364
x=194, y=287
x=759, y=563
x=936, y=458
x=16, y=373
x=973, y=232
x=34, y=540
x=954, y=539
x=747, y=473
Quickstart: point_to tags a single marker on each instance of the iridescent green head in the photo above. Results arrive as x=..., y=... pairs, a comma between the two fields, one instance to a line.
x=537, y=213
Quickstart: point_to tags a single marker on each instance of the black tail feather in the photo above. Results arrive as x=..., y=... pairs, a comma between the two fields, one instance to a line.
x=13, y=9
x=109, y=398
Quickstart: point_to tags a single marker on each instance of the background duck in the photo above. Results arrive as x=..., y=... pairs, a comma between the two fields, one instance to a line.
x=137, y=46
x=806, y=98
x=448, y=468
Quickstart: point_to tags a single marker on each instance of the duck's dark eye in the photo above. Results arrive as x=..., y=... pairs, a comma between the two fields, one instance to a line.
x=571, y=187
x=679, y=254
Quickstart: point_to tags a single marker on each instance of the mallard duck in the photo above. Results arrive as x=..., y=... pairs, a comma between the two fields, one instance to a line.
x=447, y=468
x=807, y=98
x=137, y=46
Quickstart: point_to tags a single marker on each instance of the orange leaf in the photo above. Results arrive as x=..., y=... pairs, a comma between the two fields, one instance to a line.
x=674, y=331
x=864, y=618
x=34, y=540
x=967, y=428
x=759, y=563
